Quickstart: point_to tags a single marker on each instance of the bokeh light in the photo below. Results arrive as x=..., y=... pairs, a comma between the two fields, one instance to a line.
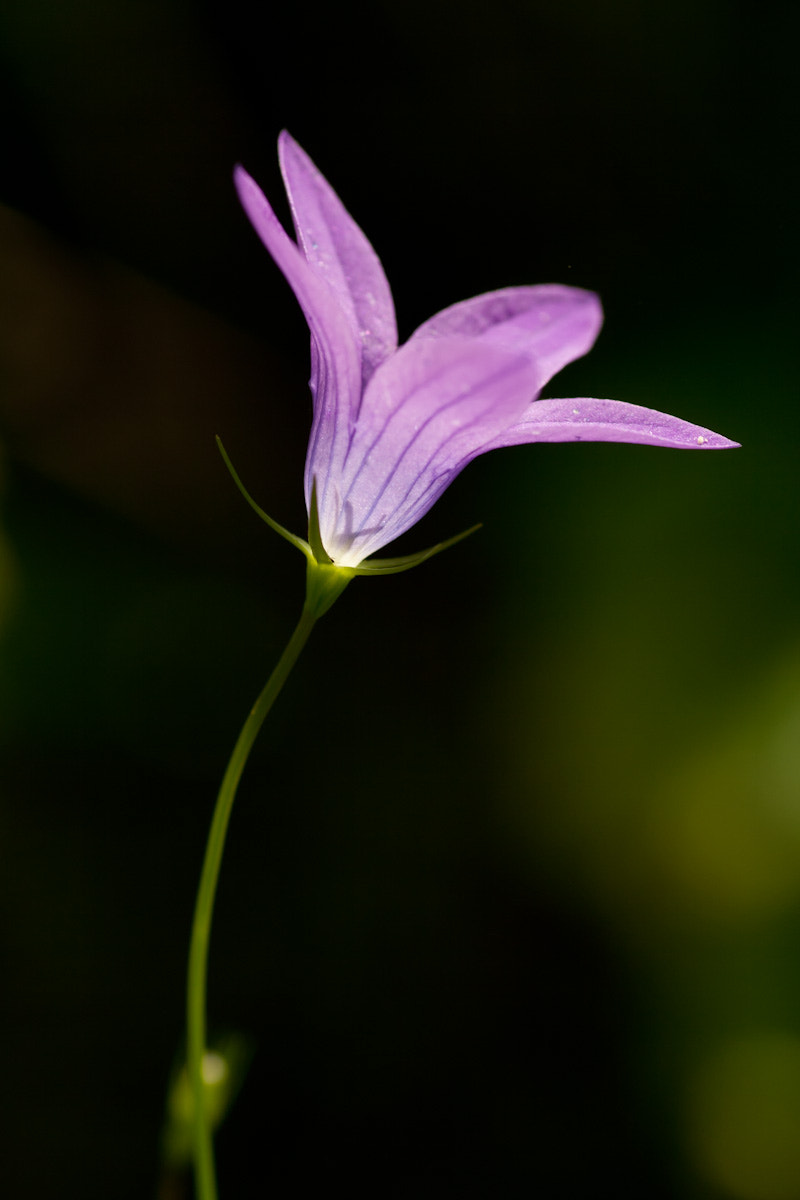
x=743, y=1117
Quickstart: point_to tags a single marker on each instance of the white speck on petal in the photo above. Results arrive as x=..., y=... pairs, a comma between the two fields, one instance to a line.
x=701, y=440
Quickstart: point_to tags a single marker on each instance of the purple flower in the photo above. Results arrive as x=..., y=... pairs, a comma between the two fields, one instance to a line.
x=394, y=426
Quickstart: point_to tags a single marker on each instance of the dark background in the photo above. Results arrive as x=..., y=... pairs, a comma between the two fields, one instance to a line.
x=511, y=903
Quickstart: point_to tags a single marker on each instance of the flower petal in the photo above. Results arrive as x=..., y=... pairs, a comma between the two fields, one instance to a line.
x=339, y=252
x=426, y=412
x=335, y=352
x=557, y=324
x=587, y=420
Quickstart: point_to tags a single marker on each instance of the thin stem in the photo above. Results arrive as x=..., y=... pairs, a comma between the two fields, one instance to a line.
x=205, y=1179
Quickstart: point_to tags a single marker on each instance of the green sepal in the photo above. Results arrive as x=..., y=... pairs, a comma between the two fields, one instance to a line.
x=392, y=566
x=314, y=535
x=325, y=581
x=295, y=541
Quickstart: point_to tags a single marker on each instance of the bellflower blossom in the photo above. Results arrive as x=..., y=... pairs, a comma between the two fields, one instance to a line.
x=393, y=426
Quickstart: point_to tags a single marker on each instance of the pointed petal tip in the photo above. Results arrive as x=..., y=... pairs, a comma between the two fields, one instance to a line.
x=290, y=150
x=244, y=183
x=592, y=420
x=717, y=442
x=286, y=144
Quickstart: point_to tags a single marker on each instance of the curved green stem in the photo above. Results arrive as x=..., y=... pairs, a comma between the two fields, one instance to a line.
x=206, y=1186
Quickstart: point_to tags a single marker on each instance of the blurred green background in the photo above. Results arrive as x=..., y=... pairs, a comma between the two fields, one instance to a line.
x=511, y=904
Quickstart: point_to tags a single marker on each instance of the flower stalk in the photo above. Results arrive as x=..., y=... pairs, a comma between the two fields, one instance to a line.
x=197, y=975
x=325, y=582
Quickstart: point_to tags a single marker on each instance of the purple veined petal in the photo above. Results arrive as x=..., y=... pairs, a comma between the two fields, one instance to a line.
x=335, y=352
x=426, y=411
x=557, y=324
x=588, y=420
x=340, y=253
